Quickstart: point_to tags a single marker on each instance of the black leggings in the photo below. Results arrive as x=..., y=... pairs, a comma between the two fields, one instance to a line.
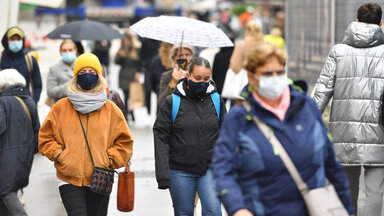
x=79, y=201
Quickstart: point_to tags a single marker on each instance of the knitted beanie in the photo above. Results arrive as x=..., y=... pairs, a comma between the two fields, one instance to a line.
x=87, y=60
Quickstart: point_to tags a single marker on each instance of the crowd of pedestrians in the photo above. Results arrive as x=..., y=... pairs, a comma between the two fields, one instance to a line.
x=201, y=151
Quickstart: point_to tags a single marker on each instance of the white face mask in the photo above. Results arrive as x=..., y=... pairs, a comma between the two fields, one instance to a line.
x=271, y=87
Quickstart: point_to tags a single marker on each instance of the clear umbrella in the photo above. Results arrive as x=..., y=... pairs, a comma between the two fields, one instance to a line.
x=173, y=29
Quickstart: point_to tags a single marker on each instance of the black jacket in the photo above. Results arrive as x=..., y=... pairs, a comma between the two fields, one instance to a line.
x=17, y=61
x=187, y=144
x=220, y=67
x=18, y=138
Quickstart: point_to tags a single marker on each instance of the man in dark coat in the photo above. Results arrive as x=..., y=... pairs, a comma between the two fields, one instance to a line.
x=220, y=67
x=15, y=57
x=19, y=127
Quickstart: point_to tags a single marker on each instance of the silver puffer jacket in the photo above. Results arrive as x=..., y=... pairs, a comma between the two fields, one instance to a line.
x=354, y=75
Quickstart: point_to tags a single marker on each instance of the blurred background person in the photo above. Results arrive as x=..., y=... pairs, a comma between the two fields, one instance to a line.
x=149, y=48
x=221, y=64
x=61, y=73
x=275, y=37
x=101, y=50
x=19, y=127
x=62, y=137
x=160, y=63
x=250, y=178
x=15, y=57
x=253, y=38
x=170, y=78
x=184, y=142
x=128, y=58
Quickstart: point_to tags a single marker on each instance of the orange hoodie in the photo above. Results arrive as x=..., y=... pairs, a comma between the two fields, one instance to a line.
x=61, y=140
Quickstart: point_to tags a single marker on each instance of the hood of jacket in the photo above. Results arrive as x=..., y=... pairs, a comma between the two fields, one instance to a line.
x=10, y=77
x=362, y=35
x=182, y=90
x=5, y=44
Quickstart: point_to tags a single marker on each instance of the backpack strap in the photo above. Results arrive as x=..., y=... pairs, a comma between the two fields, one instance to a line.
x=216, y=102
x=175, y=106
x=25, y=108
x=29, y=61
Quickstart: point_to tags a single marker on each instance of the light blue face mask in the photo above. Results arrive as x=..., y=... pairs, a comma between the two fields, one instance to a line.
x=271, y=87
x=68, y=57
x=15, y=46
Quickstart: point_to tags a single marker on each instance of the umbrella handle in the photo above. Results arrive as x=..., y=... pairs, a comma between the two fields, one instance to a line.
x=181, y=45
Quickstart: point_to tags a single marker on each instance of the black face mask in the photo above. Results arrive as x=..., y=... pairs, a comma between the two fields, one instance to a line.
x=199, y=88
x=87, y=81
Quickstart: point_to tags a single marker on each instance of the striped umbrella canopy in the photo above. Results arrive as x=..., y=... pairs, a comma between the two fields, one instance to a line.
x=173, y=29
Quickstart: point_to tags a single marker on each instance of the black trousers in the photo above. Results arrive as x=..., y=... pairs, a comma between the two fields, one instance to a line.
x=79, y=201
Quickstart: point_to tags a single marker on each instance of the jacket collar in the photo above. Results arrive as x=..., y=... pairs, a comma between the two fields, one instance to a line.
x=182, y=90
x=14, y=90
x=297, y=102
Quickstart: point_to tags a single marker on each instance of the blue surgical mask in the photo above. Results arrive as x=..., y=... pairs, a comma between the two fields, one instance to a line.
x=271, y=87
x=68, y=57
x=198, y=88
x=87, y=81
x=15, y=46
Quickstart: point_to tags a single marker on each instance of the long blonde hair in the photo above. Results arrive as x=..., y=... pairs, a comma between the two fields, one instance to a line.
x=75, y=87
x=164, y=53
x=254, y=30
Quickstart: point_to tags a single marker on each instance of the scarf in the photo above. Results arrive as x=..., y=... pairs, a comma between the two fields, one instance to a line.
x=87, y=102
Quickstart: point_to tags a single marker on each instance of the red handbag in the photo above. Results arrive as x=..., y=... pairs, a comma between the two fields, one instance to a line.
x=126, y=190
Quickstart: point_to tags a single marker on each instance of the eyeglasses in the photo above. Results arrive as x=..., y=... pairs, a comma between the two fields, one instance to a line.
x=82, y=72
x=269, y=73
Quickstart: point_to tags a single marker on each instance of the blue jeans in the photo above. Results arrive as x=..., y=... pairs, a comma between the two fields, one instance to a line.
x=183, y=186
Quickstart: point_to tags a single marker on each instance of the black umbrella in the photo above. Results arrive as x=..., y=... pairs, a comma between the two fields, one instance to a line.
x=85, y=30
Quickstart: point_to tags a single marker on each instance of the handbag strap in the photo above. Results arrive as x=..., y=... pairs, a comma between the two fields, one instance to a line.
x=24, y=107
x=127, y=167
x=85, y=135
x=268, y=133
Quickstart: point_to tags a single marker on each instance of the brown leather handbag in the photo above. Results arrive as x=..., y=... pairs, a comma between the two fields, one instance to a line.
x=126, y=190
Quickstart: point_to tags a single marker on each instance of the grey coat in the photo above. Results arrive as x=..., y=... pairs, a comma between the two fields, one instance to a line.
x=58, y=79
x=354, y=75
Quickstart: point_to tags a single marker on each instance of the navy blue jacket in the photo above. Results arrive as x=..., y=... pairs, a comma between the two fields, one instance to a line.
x=156, y=70
x=250, y=174
x=18, y=139
x=17, y=61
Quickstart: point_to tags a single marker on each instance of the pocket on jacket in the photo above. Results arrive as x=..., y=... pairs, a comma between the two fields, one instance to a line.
x=65, y=165
x=59, y=158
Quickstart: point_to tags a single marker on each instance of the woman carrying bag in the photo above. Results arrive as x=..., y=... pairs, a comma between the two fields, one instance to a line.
x=250, y=176
x=82, y=132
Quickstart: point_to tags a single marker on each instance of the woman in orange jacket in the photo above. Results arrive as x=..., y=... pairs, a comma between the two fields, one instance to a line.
x=61, y=137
